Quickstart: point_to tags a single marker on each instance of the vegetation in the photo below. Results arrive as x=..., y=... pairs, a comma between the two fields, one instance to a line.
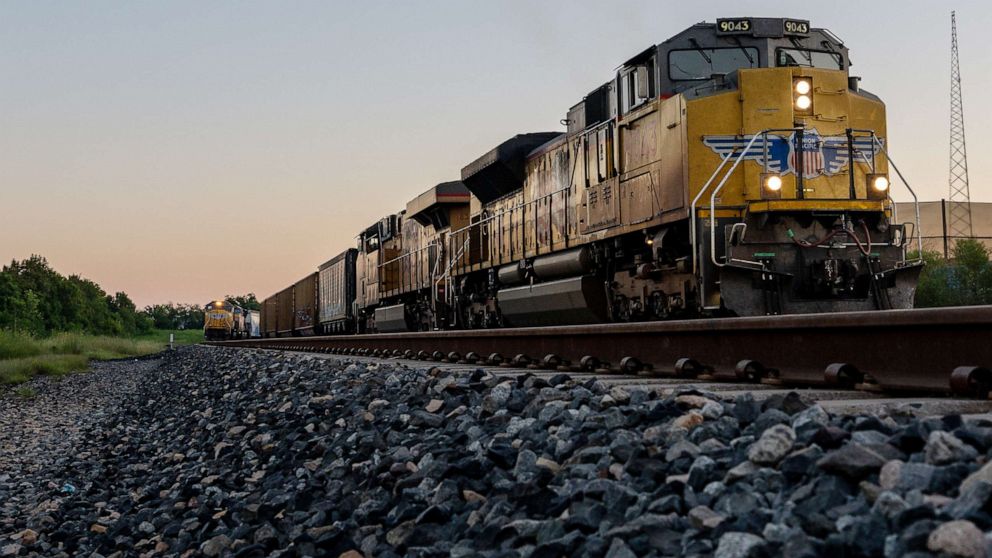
x=53, y=325
x=23, y=356
x=180, y=336
x=36, y=299
x=964, y=280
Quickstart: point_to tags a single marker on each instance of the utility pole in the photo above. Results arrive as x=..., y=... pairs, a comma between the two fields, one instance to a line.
x=959, y=220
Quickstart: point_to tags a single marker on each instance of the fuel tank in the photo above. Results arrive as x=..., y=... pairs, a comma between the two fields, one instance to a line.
x=391, y=319
x=576, y=300
x=563, y=264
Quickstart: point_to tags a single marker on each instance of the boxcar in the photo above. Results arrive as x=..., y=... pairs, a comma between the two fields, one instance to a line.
x=305, y=304
x=336, y=284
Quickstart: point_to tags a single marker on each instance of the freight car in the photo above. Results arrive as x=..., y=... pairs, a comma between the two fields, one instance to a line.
x=735, y=169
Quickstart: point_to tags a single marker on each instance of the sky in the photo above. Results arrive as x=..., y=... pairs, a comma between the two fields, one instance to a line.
x=180, y=151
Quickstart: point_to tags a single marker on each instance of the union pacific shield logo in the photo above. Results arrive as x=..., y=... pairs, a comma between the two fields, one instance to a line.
x=821, y=155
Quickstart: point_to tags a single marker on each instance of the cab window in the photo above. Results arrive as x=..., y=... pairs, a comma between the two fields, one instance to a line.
x=810, y=58
x=703, y=63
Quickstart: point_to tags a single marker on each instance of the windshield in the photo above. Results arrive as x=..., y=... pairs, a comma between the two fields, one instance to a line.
x=704, y=63
x=810, y=58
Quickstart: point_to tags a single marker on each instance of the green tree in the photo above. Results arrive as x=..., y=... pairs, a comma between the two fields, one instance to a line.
x=971, y=260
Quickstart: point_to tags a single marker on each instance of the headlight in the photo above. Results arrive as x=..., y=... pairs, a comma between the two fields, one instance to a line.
x=802, y=94
x=878, y=186
x=771, y=186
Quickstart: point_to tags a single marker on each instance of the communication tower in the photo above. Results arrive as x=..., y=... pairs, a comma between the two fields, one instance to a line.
x=959, y=220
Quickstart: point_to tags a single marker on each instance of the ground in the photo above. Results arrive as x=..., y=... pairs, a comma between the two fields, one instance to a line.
x=224, y=452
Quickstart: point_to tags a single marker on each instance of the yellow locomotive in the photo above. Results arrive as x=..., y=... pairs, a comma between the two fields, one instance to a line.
x=735, y=169
x=223, y=320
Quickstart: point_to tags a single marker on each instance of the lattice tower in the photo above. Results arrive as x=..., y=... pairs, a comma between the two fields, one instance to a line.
x=959, y=218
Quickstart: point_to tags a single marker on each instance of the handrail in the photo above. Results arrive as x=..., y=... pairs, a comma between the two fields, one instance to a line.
x=408, y=254
x=692, y=211
x=740, y=157
x=511, y=209
x=916, y=201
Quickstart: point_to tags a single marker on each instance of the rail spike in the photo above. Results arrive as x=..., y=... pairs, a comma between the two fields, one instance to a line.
x=630, y=365
x=688, y=368
x=589, y=363
x=750, y=371
x=843, y=374
x=551, y=361
x=971, y=381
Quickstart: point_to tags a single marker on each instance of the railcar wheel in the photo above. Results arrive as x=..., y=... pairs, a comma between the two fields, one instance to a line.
x=453, y=356
x=422, y=355
x=408, y=354
x=972, y=381
x=471, y=357
x=495, y=359
x=437, y=355
x=750, y=371
x=843, y=374
x=521, y=360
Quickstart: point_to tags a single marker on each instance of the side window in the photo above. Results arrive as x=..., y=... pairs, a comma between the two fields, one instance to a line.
x=635, y=87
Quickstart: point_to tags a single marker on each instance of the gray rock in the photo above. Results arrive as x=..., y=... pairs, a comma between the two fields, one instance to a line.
x=853, y=461
x=982, y=474
x=682, y=448
x=215, y=546
x=889, y=504
x=774, y=444
x=497, y=398
x=943, y=448
x=813, y=417
x=619, y=549
x=738, y=545
x=958, y=538
x=702, y=517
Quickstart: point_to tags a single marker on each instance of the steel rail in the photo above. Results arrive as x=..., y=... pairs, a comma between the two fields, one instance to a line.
x=939, y=350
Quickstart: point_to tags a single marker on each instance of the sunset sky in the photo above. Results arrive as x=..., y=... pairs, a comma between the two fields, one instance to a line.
x=180, y=151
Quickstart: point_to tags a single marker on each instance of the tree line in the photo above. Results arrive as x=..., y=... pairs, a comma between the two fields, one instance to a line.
x=36, y=299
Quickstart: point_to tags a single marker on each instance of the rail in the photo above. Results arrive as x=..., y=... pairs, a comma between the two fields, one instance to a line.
x=760, y=348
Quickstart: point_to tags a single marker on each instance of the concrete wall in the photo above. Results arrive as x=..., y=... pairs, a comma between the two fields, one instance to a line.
x=933, y=224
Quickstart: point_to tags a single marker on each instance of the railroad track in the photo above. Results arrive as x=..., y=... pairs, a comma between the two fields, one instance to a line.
x=932, y=351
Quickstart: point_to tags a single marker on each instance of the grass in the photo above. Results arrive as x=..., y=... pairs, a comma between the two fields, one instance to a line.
x=23, y=356
x=182, y=336
x=19, y=370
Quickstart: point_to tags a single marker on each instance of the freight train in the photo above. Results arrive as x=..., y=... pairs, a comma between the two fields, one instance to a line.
x=735, y=169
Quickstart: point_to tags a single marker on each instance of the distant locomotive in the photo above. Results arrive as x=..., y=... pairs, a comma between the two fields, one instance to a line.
x=736, y=169
x=223, y=320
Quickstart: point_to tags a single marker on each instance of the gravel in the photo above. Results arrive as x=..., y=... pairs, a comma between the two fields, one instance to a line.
x=218, y=452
